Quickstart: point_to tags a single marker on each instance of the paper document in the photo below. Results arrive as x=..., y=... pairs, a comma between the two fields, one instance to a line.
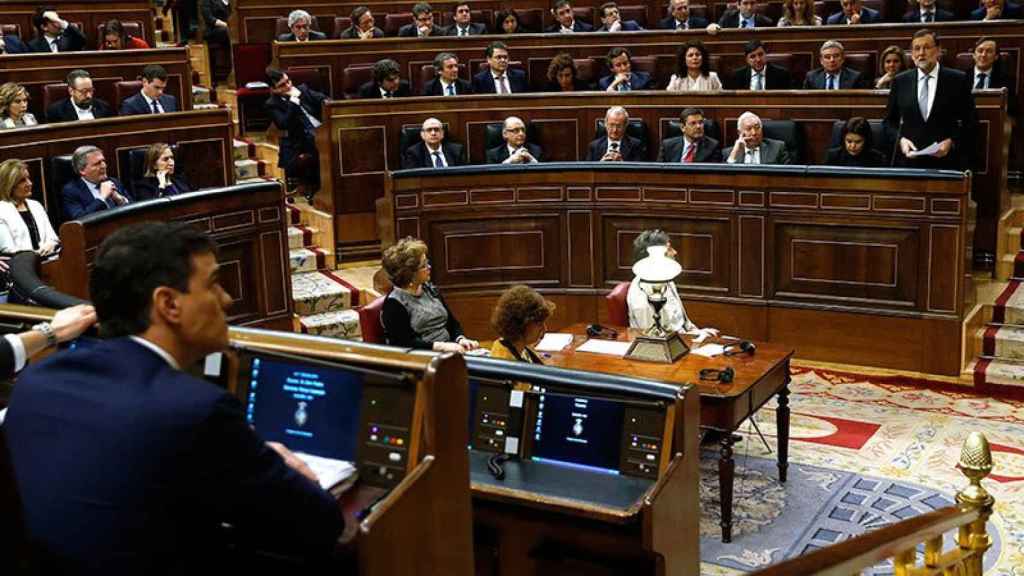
x=554, y=342
x=609, y=347
x=328, y=470
x=708, y=350
x=929, y=151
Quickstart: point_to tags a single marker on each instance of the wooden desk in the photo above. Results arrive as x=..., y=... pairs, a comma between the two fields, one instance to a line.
x=723, y=407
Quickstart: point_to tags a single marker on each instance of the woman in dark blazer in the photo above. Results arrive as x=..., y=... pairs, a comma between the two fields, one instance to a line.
x=160, y=179
x=857, y=147
x=563, y=76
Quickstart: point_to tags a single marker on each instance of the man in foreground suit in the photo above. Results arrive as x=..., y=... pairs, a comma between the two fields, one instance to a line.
x=931, y=104
x=832, y=75
x=499, y=78
x=432, y=151
x=80, y=103
x=423, y=26
x=926, y=12
x=565, y=20
x=752, y=147
x=128, y=464
x=301, y=25
x=693, y=145
x=297, y=112
x=447, y=81
x=387, y=82
x=151, y=99
x=758, y=74
x=54, y=34
x=464, y=25
x=616, y=145
x=515, y=150
x=679, y=18
x=854, y=12
x=93, y=190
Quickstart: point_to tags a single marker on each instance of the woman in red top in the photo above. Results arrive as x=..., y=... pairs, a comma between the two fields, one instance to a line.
x=115, y=38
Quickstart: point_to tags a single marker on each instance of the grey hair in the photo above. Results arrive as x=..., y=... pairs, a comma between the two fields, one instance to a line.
x=439, y=61
x=78, y=159
x=504, y=125
x=831, y=44
x=746, y=115
x=616, y=110
x=645, y=240
x=296, y=15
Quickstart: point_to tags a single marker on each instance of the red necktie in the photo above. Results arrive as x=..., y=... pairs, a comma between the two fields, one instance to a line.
x=690, y=152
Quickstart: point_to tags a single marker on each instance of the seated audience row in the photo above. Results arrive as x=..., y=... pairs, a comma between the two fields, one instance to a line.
x=54, y=34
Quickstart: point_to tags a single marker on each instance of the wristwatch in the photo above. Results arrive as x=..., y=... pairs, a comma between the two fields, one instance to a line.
x=47, y=330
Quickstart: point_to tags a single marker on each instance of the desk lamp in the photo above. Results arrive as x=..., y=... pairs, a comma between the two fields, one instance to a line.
x=656, y=344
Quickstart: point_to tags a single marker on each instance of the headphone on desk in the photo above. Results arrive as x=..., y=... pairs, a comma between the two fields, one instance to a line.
x=745, y=347
x=724, y=375
x=598, y=331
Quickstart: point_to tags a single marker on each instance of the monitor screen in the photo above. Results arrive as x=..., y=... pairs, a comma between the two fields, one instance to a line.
x=308, y=407
x=578, y=431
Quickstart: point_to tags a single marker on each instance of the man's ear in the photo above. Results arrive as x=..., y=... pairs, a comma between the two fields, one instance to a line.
x=166, y=305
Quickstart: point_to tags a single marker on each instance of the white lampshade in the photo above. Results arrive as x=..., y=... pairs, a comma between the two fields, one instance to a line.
x=657, y=267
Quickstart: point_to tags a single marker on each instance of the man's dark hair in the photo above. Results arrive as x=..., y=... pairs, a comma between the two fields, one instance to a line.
x=460, y=5
x=753, y=45
x=616, y=52
x=133, y=262
x=74, y=75
x=274, y=76
x=37, y=18
x=691, y=111
x=357, y=14
x=496, y=45
x=925, y=32
x=559, y=3
x=385, y=69
x=422, y=8
x=984, y=39
x=645, y=240
x=154, y=72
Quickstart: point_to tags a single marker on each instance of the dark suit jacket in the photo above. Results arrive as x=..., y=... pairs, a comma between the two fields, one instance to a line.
x=149, y=188
x=772, y=152
x=213, y=10
x=64, y=111
x=300, y=136
x=631, y=149
x=848, y=79
x=999, y=79
x=708, y=150
x=627, y=26
x=313, y=35
x=914, y=16
x=731, y=19
x=79, y=201
x=6, y=359
x=433, y=88
x=695, y=22
x=475, y=29
x=869, y=158
x=14, y=45
x=637, y=81
x=867, y=16
x=498, y=154
x=144, y=462
x=137, y=105
x=1010, y=12
x=952, y=115
x=577, y=26
x=70, y=40
x=350, y=32
x=410, y=31
x=483, y=83
x=372, y=90
x=416, y=156
x=776, y=78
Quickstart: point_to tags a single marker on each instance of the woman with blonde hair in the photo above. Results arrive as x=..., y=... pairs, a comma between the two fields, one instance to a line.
x=14, y=107
x=159, y=179
x=893, y=63
x=799, y=13
x=24, y=224
x=520, y=319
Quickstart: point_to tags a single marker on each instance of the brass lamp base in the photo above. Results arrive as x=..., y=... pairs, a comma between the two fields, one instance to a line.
x=664, y=349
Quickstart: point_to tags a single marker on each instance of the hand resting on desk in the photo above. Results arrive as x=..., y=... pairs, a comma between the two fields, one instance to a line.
x=294, y=462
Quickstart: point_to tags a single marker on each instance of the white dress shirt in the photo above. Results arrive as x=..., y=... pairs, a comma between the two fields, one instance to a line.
x=988, y=77
x=83, y=113
x=501, y=86
x=445, y=85
x=753, y=78
x=150, y=101
x=430, y=153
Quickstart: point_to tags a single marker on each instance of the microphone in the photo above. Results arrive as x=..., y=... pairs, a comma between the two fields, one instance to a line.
x=896, y=145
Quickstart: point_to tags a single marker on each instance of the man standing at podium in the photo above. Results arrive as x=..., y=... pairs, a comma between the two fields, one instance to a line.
x=128, y=464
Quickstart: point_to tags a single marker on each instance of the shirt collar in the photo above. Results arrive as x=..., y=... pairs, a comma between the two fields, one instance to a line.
x=445, y=83
x=980, y=71
x=571, y=26
x=432, y=150
x=92, y=187
x=158, y=351
x=148, y=99
x=496, y=76
x=933, y=74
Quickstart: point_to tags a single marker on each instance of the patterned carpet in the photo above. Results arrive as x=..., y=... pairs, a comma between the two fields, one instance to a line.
x=865, y=451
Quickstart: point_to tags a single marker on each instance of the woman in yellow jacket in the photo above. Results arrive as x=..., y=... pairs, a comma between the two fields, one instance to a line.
x=519, y=318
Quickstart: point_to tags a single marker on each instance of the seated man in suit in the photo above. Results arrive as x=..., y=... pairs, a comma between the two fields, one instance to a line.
x=54, y=34
x=363, y=26
x=997, y=10
x=853, y=12
x=758, y=74
x=387, y=82
x=622, y=78
x=432, y=151
x=931, y=104
x=499, y=78
x=616, y=145
x=693, y=145
x=93, y=190
x=515, y=150
x=990, y=71
x=926, y=11
x=151, y=99
x=447, y=81
x=832, y=75
x=752, y=147
x=296, y=111
x=146, y=462
x=424, y=24
x=611, y=22
x=10, y=44
x=743, y=16
x=80, y=104
x=679, y=17
x=565, y=20
x=464, y=26
x=301, y=25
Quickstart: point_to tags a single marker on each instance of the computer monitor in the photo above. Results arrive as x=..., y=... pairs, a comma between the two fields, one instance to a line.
x=578, y=430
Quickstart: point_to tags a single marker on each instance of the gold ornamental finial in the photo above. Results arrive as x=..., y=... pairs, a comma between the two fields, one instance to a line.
x=975, y=463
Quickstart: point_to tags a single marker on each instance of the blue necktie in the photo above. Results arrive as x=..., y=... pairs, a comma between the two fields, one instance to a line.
x=831, y=82
x=451, y=90
x=438, y=163
x=155, y=109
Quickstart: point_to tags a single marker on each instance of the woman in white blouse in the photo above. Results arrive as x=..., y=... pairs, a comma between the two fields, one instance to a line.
x=24, y=224
x=693, y=70
x=14, y=107
x=799, y=13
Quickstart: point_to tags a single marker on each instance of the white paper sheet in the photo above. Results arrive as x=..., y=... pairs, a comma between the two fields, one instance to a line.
x=708, y=350
x=609, y=347
x=554, y=342
x=929, y=151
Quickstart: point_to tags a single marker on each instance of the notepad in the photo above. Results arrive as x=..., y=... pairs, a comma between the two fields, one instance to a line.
x=608, y=347
x=709, y=350
x=329, y=471
x=554, y=342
